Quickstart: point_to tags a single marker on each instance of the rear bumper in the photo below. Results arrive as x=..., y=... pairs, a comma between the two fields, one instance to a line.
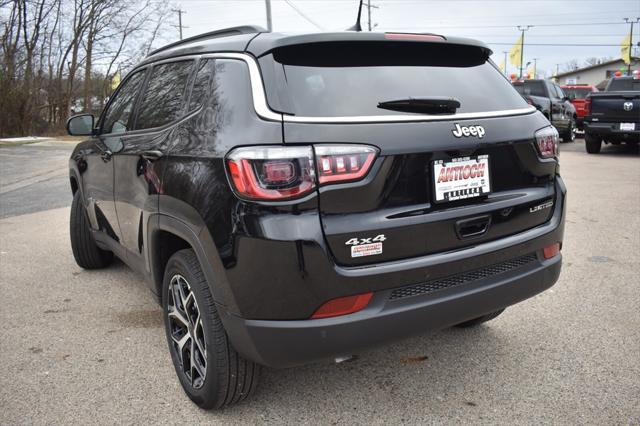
x=289, y=343
x=480, y=280
x=611, y=131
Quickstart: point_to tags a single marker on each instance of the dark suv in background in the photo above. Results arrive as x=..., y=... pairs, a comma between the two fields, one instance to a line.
x=295, y=198
x=554, y=104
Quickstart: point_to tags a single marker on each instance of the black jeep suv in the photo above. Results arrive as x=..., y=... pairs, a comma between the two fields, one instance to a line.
x=294, y=198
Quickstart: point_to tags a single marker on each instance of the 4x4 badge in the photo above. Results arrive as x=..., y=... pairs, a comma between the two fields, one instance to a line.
x=465, y=131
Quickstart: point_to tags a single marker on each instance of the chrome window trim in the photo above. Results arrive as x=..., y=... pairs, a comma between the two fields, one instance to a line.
x=257, y=86
x=262, y=107
x=410, y=118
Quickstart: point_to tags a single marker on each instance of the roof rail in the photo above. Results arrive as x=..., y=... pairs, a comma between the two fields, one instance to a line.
x=226, y=32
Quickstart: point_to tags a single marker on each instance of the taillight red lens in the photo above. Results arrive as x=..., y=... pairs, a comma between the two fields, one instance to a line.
x=587, y=106
x=343, y=306
x=272, y=173
x=548, y=141
x=280, y=173
x=342, y=163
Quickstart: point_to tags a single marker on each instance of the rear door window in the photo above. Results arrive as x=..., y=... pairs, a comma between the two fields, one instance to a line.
x=350, y=80
x=163, y=99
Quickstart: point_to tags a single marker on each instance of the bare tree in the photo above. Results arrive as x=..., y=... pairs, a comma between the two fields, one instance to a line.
x=59, y=53
x=571, y=65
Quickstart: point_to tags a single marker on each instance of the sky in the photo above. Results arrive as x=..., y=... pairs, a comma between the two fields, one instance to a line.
x=556, y=24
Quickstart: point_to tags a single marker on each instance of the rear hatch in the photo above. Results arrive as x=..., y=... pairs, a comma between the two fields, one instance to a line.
x=410, y=203
x=616, y=107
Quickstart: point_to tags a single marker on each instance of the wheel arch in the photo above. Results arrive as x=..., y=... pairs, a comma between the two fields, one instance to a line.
x=168, y=234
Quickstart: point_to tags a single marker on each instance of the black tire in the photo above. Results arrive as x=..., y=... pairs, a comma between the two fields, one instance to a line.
x=228, y=378
x=85, y=251
x=570, y=135
x=592, y=143
x=479, y=320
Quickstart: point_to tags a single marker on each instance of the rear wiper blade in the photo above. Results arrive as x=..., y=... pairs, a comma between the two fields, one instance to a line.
x=430, y=105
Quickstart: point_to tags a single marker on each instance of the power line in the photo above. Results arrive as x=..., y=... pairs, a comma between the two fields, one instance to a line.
x=557, y=44
x=302, y=14
x=566, y=24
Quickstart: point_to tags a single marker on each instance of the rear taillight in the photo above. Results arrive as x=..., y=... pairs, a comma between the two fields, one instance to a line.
x=274, y=173
x=587, y=106
x=342, y=163
x=271, y=173
x=547, y=140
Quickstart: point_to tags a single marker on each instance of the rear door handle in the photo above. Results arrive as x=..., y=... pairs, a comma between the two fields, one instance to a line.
x=151, y=155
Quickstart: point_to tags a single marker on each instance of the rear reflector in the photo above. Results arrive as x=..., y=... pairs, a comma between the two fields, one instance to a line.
x=551, y=251
x=343, y=306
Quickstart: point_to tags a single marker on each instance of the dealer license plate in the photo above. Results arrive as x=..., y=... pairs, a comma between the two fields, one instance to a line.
x=627, y=126
x=461, y=178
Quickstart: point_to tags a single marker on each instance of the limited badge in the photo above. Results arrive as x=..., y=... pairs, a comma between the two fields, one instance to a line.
x=540, y=207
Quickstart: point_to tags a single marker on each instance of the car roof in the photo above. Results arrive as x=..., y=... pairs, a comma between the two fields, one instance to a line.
x=259, y=42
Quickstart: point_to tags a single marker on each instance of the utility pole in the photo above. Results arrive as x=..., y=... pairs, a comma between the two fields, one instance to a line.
x=268, y=5
x=505, y=63
x=180, y=12
x=630, y=21
x=557, y=70
x=522, y=29
x=370, y=6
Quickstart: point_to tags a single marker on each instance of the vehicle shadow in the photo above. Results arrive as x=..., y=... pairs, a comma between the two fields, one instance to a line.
x=407, y=378
x=629, y=150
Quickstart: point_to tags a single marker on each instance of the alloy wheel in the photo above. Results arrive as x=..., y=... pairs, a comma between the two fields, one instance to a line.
x=187, y=331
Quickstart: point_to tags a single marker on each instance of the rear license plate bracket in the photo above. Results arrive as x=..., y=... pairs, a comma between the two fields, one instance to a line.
x=461, y=178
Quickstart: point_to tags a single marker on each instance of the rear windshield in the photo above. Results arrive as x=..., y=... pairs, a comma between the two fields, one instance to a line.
x=532, y=88
x=623, y=84
x=351, y=81
x=576, y=93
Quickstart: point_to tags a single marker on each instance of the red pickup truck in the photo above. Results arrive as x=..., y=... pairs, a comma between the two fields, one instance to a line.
x=577, y=95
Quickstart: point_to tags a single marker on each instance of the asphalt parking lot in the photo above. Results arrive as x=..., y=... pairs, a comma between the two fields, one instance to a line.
x=88, y=346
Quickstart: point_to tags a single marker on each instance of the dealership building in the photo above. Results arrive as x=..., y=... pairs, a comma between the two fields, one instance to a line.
x=595, y=75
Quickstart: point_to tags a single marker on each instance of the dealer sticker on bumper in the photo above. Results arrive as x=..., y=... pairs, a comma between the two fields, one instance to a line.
x=366, y=250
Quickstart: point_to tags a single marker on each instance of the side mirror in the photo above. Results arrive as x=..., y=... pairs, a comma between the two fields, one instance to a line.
x=80, y=125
